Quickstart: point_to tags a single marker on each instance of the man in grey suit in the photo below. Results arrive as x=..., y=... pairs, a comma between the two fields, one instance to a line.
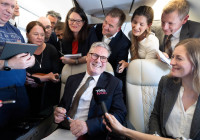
x=176, y=26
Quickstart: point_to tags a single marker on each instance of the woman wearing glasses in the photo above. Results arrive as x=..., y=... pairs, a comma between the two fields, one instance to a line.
x=77, y=36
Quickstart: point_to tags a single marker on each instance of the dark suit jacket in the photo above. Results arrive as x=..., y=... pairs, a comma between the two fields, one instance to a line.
x=83, y=48
x=190, y=29
x=114, y=102
x=53, y=40
x=119, y=46
x=166, y=97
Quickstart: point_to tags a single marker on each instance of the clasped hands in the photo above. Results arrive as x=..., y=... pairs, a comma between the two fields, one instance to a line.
x=43, y=78
x=77, y=127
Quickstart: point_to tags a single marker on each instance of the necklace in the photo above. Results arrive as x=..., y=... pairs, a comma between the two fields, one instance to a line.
x=40, y=63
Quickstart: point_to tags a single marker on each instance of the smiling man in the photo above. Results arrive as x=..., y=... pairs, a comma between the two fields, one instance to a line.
x=110, y=32
x=176, y=26
x=87, y=119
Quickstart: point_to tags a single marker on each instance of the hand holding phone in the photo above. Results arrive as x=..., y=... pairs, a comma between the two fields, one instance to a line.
x=36, y=79
x=118, y=66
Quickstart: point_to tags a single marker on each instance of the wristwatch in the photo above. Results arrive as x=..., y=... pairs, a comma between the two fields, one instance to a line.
x=6, y=67
x=76, y=61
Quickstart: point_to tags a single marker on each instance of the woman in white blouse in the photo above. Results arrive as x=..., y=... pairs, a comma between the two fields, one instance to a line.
x=144, y=42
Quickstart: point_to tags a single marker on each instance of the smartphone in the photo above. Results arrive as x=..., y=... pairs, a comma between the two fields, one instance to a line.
x=7, y=102
x=36, y=80
x=117, y=69
x=58, y=76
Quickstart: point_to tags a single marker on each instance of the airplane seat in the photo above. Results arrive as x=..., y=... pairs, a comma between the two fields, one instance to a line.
x=142, y=80
x=74, y=69
x=66, y=72
x=157, y=29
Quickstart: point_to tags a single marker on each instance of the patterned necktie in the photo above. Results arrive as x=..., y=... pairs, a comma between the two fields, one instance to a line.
x=168, y=47
x=71, y=113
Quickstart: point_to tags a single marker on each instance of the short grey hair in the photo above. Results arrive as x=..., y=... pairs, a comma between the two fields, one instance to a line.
x=54, y=14
x=100, y=44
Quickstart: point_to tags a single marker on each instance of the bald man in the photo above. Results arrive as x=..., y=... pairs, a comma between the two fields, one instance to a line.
x=50, y=37
x=47, y=24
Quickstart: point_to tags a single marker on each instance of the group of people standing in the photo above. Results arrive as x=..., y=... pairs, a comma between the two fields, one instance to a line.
x=98, y=45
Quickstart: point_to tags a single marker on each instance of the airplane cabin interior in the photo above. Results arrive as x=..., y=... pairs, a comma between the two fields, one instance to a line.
x=142, y=76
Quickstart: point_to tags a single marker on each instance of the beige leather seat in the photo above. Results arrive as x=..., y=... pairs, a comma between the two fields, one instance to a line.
x=74, y=69
x=143, y=76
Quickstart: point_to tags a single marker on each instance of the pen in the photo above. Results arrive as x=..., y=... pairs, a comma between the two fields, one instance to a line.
x=68, y=118
x=61, y=53
x=7, y=102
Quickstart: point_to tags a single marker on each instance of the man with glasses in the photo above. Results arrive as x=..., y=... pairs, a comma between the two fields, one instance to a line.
x=48, y=31
x=87, y=120
x=54, y=18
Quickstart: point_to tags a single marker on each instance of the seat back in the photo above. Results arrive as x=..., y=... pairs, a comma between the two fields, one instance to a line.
x=142, y=80
x=75, y=69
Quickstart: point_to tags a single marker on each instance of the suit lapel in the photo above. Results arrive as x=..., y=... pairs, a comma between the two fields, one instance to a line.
x=184, y=32
x=102, y=82
x=170, y=99
x=195, y=126
x=114, y=39
x=73, y=89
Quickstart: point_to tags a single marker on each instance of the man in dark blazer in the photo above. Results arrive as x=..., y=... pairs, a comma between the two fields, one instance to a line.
x=166, y=97
x=175, y=22
x=90, y=124
x=110, y=32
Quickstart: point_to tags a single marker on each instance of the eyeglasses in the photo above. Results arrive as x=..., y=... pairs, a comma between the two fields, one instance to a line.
x=78, y=21
x=96, y=56
x=48, y=27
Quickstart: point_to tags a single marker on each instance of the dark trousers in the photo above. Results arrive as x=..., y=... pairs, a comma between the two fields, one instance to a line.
x=14, y=112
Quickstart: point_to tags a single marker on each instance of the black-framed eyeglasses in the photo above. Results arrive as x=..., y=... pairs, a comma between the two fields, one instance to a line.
x=96, y=56
x=78, y=21
x=48, y=27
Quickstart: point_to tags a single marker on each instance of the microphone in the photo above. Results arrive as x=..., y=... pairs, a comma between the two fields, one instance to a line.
x=100, y=95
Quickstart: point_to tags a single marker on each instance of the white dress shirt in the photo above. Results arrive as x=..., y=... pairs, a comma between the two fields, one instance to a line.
x=175, y=38
x=108, y=39
x=84, y=102
x=179, y=121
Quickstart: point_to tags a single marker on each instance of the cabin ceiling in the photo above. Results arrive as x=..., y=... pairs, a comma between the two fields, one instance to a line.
x=98, y=8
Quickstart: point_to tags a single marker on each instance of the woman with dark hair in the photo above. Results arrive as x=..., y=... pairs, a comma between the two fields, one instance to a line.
x=77, y=36
x=176, y=109
x=46, y=69
x=144, y=42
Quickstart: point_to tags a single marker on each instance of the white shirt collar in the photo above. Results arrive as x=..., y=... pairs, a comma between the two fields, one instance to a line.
x=96, y=77
x=177, y=33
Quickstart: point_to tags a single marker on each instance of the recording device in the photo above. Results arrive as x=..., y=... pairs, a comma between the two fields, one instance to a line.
x=117, y=69
x=58, y=76
x=7, y=102
x=36, y=79
x=100, y=95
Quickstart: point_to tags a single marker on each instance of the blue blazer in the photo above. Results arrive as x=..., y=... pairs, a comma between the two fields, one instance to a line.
x=166, y=97
x=119, y=46
x=114, y=102
x=190, y=29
